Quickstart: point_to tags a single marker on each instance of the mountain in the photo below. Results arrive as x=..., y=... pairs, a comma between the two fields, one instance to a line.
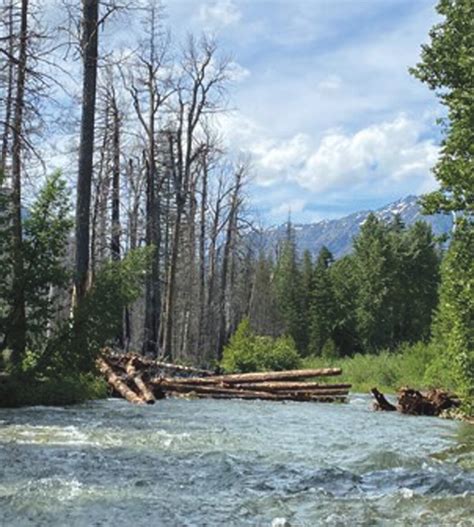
x=338, y=234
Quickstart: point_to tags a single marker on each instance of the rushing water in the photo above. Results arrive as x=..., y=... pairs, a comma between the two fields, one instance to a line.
x=226, y=463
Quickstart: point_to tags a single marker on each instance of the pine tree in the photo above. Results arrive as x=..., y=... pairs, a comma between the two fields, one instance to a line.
x=307, y=276
x=453, y=328
x=288, y=290
x=322, y=304
x=343, y=278
x=374, y=270
x=263, y=310
x=419, y=282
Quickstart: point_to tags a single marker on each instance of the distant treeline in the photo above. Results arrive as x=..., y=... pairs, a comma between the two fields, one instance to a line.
x=382, y=295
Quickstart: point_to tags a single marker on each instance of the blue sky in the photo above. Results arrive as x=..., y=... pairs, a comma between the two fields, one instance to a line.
x=323, y=101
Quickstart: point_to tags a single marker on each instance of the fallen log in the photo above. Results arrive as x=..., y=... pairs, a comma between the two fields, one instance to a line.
x=291, y=386
x=117, y=383
x=381, y=402
x=146, y=393
x=146, y=363
x=414, y=402
x=269, y=397
x=244, y=378
x=168, y=385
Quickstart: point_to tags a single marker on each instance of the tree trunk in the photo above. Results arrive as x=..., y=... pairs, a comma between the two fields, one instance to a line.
x=115, y=238
x=9, y=94
x=17, y=336
x=89, y=45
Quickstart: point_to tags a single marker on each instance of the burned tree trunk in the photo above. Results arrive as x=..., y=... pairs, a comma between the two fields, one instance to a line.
x=89, y=47
x=17, y=336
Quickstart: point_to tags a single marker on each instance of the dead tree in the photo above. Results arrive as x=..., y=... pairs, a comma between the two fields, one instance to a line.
x=199, y=92
x=89, y=48
x=17, y=336
x=150, y=87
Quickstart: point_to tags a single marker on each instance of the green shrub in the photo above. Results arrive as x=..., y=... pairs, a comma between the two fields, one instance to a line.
x=98, y=319
x=247, y=352
x=409, y=365
x=26, y=391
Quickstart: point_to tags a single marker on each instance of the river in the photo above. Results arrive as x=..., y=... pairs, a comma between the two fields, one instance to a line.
x=233, y=463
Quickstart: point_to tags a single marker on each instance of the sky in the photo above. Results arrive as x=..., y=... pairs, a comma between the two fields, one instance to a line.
x=322, y=100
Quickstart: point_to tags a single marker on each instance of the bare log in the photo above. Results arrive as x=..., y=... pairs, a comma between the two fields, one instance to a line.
x=266, y=397
x=117, y=383
x=144, y=363
x=244, y=378
x=168, y=385
x=381, y=402
x=146, y=393
x=290, y=386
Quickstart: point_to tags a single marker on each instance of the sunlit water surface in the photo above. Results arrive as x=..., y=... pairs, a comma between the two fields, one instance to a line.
x=226, y=463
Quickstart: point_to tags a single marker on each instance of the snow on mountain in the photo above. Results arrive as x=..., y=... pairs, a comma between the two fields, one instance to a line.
x=338, y=234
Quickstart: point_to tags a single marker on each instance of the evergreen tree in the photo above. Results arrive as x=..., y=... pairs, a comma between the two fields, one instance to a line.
x=453, y=328
x=420, y=281
x=307, y=276
x=344, y=282
x=374, y=270
x=322, y=306
x=263, y=310
x=288, y=290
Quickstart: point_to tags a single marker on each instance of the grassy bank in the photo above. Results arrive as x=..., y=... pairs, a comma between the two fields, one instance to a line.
x=412, y=366
x=24, y=391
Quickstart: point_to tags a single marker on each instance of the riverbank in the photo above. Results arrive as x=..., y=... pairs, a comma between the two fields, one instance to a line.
x=388, y=371
x=24, y=391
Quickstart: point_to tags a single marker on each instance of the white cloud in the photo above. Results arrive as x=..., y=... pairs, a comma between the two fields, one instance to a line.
x=372, y=159
x=284, y=155
x=295, y=205
x=219, y=14
x=384, y=154
x=237, y=73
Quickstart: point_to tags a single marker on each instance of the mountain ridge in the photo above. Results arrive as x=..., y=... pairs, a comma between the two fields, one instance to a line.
x=337, y=234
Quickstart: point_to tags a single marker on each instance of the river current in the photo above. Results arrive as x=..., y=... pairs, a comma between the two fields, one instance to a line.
x=233, y=463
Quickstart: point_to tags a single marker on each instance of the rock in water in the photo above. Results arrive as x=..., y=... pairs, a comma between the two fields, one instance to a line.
x=280, y=522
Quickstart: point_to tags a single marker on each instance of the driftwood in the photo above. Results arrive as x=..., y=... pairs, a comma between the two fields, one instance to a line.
x=142, y=380
x=381, y=402
x=146, y=394
x=251, y=395
x=433, y=402
x=117, y=383
x=171, y=386
x=414, y=402
x=244, y=378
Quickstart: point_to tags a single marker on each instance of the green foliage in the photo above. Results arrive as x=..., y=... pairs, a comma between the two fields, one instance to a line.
x=287, y=286
x=453, y=328
x=344, y=282
x=247, y=352
x=5, y=257
x=322, y=308
x=263, y=310
x=69, y=389
x=446, y=66
x=409, y=365
x=97, y=320
x=396, y=275
x=46, y=228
